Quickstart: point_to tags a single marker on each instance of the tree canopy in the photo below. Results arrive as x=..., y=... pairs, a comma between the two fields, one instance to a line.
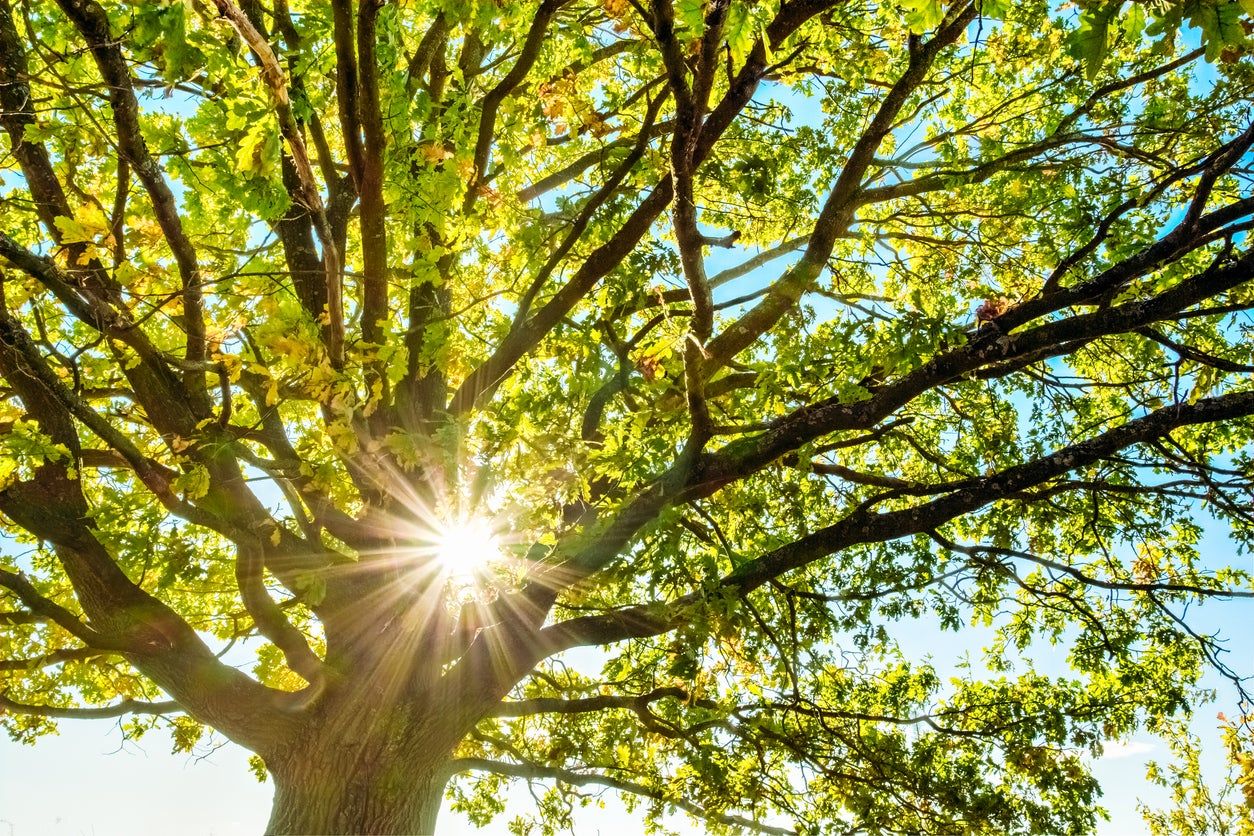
x=610, y=394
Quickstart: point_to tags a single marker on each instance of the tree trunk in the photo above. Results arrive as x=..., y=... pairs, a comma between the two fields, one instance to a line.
x=353, y=787
x=373, y=755
x=336, y=804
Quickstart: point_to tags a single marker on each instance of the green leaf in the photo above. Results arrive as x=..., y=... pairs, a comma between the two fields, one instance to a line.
x=995, y=9
x=312, y=587
x=1133, y=21
x=1091, y=41
x=741, y=33
x=690, y=17
x=186, y=733
x=258, y=151
x=194, y=483
x=257, y=767
x=923, y=15
x=1219, y=22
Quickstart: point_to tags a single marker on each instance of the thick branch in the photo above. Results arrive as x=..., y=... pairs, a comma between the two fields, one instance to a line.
x=864, y=526
x=838, y=210
x=91, y=20
x=309, y=195
x=48, y=609
x=484, y=379
x=270, y=620
x=557, y=705
x=374, y=242
x=492, y=101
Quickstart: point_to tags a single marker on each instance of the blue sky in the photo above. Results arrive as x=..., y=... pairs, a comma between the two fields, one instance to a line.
x=89, y=780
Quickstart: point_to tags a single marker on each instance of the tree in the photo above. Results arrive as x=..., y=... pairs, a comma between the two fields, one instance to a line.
x=595, y=394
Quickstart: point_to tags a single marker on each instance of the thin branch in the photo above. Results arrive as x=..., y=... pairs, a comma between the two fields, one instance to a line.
x=535, y=772
x=120, y=709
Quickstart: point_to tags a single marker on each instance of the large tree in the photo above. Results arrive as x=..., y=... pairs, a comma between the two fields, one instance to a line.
x=596, y=393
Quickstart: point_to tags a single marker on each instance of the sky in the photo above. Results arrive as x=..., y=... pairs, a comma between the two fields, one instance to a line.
x=88, y=781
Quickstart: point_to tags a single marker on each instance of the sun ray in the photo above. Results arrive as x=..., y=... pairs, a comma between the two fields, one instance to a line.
x=465, y=547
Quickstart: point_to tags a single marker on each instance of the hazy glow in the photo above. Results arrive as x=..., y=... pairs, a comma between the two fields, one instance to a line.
x=465, y=547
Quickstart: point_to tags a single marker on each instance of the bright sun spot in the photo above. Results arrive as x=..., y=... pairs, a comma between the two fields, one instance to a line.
x=464, y=547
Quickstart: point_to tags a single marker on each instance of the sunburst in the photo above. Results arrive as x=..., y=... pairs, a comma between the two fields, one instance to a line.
x=464, y=548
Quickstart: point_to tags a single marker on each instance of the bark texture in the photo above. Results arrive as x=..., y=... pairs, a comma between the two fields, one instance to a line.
x=349, y=785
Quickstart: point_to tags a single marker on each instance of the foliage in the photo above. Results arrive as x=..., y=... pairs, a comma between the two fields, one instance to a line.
x=748, y=341
x=1201, y=806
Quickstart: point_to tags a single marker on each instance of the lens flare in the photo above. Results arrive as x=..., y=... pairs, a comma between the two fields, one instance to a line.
x=465, y=547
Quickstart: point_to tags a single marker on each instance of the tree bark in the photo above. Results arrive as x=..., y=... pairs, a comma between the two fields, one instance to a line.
x=336, y=804
x=342, y=783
